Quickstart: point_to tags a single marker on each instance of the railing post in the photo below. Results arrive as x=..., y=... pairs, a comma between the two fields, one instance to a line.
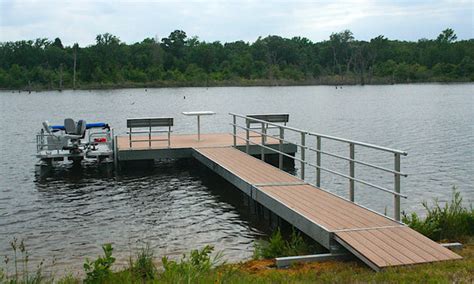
x=235, y=129
x=247, y=135
x=318, y=161
x=263, y=142
x=303, y=142
x=149, y=135
x=351, y=171
x=114, y=145
x=199, y=127
x=396, y=198
x=280, y=148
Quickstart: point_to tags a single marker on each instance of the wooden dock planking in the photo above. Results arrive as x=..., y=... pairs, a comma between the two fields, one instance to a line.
x=377, y=240
x=179, y=141
x=253, y=170
x=380, y=247
x=347, y=214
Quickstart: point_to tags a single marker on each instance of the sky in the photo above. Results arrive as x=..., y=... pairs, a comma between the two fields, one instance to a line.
x=226, y=21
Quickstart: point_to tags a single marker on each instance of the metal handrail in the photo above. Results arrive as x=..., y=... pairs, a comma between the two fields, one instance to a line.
x=40, y=143
x=322, y=152
x=325, y=136
x=326, y=169
x=303, y=147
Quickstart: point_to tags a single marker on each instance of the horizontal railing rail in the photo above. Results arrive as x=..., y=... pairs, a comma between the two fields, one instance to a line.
x=41, y=143
x=303, y=147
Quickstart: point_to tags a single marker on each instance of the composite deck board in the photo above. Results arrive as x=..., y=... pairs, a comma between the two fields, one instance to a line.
x=180, y=141
x=336, y=216
x=378, y=240
x=354, y=215
x=325, y=218
x=379, y=246
x=250, y=169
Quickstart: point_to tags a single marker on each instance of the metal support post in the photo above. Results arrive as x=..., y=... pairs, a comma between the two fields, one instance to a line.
x=263, y=142
x=318, y=161
x=235, y=130
x=303, y=142
x=149, y=136
x=247, y=135
x=280, y=148
x=114, y=147
x=351, y=172
x=169, y=136
x=199, y=127
x=396, y=205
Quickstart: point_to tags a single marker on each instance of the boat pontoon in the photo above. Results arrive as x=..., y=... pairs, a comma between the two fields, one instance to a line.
x=75, y=141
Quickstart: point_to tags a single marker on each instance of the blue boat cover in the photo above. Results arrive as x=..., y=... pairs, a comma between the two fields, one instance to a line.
x=88, y=125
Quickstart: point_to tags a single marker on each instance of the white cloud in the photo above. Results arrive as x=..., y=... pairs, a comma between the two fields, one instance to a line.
x=81, y=21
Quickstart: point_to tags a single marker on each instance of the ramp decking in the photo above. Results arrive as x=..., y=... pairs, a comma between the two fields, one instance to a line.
x=375, y=239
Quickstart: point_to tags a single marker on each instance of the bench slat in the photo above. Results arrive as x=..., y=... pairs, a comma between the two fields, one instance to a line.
x=149, y=122
x=275, y=118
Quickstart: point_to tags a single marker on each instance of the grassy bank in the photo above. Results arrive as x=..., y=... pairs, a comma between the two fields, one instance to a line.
x=198, y=268
x=451, y=222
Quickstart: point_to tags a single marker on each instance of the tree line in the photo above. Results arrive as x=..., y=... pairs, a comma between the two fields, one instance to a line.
x=179, y=60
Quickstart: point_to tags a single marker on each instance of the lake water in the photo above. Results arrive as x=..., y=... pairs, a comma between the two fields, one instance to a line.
x=179, y=206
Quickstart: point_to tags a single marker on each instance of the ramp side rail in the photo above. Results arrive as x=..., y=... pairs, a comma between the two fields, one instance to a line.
x=302, y=145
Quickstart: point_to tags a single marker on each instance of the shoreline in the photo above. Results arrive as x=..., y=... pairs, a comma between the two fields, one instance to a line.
x=239, y=83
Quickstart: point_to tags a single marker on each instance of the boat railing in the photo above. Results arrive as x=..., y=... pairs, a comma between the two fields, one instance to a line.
x=304, y=147
x=107, y=134
x=42, y=142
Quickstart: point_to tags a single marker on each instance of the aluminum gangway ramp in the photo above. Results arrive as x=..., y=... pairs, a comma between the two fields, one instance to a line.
x=331, y=220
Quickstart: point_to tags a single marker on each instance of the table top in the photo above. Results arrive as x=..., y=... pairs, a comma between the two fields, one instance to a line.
x=207, y=112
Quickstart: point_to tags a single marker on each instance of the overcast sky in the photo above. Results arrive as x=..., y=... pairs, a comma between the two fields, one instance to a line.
x=81, y=20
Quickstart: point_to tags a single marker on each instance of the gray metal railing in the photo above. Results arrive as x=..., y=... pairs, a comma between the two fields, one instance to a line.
x=303, y=147
x=42, y=142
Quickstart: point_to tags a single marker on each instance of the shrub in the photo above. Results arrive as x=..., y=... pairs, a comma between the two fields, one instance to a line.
x=451, y=222
x=276, y=246
x=99, y=270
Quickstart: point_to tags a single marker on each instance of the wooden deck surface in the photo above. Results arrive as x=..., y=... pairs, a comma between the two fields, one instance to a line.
x=395, y=246
x=248, y=168
x=324, y=208
x=378, y=240
x=179, y=141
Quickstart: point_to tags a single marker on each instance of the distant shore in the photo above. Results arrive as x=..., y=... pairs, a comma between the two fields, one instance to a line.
x=322, y=81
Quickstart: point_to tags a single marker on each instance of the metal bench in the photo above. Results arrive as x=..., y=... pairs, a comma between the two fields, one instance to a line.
x=148, y=125
x=270, y=117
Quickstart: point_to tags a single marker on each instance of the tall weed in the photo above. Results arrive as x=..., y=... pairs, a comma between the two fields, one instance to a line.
x=451, y=222
x=191, y=268
x=143, y=267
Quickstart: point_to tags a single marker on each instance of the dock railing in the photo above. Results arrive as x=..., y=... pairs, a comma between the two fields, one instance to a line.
x=303, y=147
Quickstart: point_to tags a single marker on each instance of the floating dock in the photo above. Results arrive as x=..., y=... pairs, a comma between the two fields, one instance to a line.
x=336, y=223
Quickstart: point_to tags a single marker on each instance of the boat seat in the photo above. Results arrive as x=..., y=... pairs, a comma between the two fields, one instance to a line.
x=70, y=126
x=81, y=128
x=47, y=127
